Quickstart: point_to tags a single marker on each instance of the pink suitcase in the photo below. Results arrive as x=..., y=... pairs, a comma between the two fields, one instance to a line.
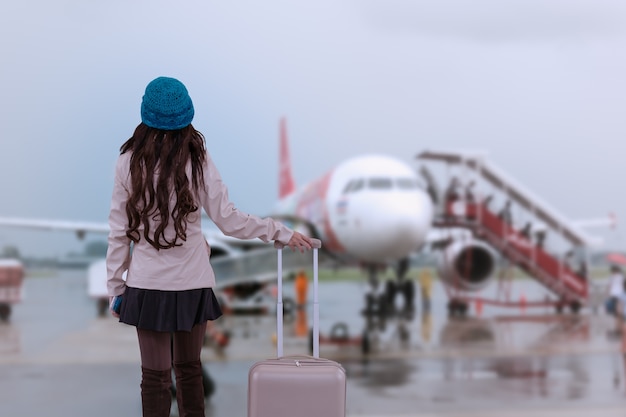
x=297, y=386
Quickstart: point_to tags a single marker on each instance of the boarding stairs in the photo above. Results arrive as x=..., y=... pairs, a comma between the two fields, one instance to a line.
x=569, y=287
x=474, y=214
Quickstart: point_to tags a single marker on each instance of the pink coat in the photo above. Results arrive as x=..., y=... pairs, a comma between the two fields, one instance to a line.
x=182, y=267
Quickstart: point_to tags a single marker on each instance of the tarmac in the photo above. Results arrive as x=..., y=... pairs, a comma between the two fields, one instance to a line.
x=58, y=358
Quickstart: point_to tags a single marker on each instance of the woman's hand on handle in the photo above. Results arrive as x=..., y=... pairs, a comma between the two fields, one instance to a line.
x=300, y=242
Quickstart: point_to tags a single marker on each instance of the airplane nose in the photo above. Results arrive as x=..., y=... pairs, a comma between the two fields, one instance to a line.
x=407, y=227
x=385, y=232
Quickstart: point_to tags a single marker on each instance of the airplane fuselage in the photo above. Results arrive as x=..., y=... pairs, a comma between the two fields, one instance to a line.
x=369, y=209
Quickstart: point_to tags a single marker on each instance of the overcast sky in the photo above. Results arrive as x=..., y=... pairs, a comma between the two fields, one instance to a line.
x=539, y=84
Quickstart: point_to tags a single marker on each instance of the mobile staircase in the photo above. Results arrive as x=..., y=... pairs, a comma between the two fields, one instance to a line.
x=472, y=212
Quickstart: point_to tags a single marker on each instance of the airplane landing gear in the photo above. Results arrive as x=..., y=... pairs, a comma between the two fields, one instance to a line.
x=381, y=306
x=457, y=308
x=403, y=286
x=375, y=305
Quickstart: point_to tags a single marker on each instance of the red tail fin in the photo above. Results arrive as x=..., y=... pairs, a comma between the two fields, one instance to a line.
x=286, y=183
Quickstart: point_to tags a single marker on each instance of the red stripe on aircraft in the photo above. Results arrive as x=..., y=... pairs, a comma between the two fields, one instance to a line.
x=312, y=203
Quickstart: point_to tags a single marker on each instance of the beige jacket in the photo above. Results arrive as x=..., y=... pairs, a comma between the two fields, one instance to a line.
x=182, y=267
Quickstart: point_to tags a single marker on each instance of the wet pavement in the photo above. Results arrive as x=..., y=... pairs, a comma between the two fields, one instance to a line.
x=57, y=358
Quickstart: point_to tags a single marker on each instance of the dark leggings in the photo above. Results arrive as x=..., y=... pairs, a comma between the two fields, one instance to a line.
x=159, y=348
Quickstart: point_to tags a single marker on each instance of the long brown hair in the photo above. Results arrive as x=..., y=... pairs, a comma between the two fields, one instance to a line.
x=157, y=170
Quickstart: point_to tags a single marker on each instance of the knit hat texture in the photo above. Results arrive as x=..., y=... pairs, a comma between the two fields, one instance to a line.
x=166, y=104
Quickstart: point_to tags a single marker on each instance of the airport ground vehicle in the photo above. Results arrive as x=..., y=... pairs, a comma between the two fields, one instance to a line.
x=11, y=281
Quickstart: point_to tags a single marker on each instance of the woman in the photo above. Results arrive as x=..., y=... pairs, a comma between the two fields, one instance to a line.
x=163, y=177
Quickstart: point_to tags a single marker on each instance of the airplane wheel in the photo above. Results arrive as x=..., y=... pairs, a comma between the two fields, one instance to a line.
x=5, y=312
x=376, y=305
x=453, y=308
x=463, y=307
x=391, y=290
x=103, y=307
x=408, y=290
x=575, y=306
x=369, y=301
x=457, y=308
x=383, y=306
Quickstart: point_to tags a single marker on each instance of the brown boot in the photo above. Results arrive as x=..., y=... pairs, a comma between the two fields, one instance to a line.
x=156, y=398
x=189, y=389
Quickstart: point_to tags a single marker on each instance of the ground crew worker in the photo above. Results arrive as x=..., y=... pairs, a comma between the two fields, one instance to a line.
x=301, y=285
x=302, y=324
x=427, y=326
x=426, y=283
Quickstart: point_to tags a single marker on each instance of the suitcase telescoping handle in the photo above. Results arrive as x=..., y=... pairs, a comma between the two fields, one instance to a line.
x=317, y=244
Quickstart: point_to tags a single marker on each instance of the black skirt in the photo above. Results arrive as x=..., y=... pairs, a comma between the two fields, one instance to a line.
x=168, y=311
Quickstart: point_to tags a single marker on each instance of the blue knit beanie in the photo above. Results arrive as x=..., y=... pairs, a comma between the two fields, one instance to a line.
x=166, y=105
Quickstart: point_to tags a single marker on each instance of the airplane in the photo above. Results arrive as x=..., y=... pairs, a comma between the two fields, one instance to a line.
x=369, y=210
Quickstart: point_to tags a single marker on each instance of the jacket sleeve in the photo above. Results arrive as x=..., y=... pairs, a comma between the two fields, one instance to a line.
x=118, y=252
x=230, y=220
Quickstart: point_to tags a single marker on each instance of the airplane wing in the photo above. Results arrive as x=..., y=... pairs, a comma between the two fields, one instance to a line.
x=45, y=224
x=257, y=266
x=246, y=261
x=241, y=244
x=81, y=228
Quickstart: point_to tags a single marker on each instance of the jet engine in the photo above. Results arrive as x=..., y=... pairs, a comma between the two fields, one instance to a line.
x=467, y=264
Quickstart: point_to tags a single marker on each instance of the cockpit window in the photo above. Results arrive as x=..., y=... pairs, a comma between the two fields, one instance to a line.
x=407, y=183
x=380, y=183
x=353, y=186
